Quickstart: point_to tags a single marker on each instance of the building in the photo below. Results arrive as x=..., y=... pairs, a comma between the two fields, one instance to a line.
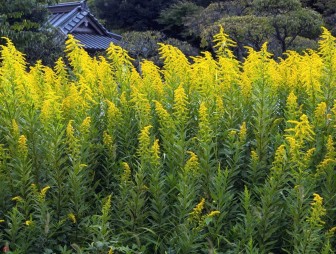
x=75, y=18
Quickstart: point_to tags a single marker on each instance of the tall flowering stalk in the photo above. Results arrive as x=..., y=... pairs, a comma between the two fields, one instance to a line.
x=201, y=155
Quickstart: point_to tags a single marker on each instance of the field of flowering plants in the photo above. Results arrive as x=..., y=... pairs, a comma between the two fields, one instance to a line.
x=208, y=155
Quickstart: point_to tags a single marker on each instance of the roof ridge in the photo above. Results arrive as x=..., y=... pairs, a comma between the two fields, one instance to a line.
x=82, y=4
x=67, y=17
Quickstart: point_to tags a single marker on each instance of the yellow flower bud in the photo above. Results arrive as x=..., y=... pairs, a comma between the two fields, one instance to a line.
x=72, y=217
x=127, y=172
x=22, y=145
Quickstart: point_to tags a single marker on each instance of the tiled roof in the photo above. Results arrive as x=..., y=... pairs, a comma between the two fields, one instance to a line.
x=113, y=35
x=96, y=42
x=67, y=21
x=67, y=7
x=67, y=16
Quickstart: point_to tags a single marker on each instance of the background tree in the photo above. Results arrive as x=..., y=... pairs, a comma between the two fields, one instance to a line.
x=132, y=14
x=247, y=30
x=289, y=20
x=174, y=18
x=25, y=23
x=285, y=24
x=144, y=45
x=325, y=7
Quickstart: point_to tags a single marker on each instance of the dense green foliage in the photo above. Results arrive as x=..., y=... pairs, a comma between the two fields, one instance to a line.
x=285, y=24
x=24, y=21
x=145, y=45
x=280, y=23
x=213, y=156
x=133, y=14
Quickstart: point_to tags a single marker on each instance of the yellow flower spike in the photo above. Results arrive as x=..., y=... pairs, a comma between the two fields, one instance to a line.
x=81, y=166
x=254, y=157
x=107, y=205
x=245, y=85
x=309, y=153
x=213, y=213
x=302, y=130
x=223, y=43
x=72, y=218
x=123, y=99
x=275, y=76
x=107, y=139
x=118, y=56
x=290, y=70
x=17, y=199
x=73, y=99
x=144, y=140
x=136, y=80
x=192, y=165
x=206, y=219
x=86, y=92
x=279, y=159
x=152, y=79
x=112, y=111
x=180, y=104
x=294, y=147
x=197, y=211
x=22, y=145
x=325, y=164
x=70, y=130
x=176, y=65
x=142, y=106
x=291, y=101
x=46, y=110
x=60, y=69
x=110, y=251
x=329, y=159
x=317, y=211
x=232, y=133
x=330, y=147
x=156, y=152
x=332, y=230
x=311, y=72
x=15, y=128
x=205, y=77
x=242, y=132
x=327, y=45
x=43, y=192
x=2, y=221
x=28, y=223
x=321, y=112
x=85, y=126
x=257, y=65
x=307, y=157
x=228, y=73
x=71, y=139
x=125, y=177
x=318, y=199
x=165, y=118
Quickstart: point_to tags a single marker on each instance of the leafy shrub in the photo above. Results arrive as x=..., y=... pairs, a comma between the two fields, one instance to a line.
x=144, y=45
x=212, y=156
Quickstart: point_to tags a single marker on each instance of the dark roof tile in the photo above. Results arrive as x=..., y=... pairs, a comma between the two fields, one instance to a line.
x=67, y=16
x=96, y=42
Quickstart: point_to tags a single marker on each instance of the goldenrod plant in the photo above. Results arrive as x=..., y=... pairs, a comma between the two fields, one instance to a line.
x=202, y=155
